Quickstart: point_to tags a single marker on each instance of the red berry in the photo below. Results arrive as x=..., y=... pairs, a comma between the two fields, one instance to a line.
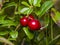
x=30, y=17
x=34, y=24
x=24, y=21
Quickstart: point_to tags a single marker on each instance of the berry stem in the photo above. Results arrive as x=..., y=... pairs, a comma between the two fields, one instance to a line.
x=27, y=15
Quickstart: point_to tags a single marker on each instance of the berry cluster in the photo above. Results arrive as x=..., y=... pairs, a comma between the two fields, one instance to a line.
x=29, y=21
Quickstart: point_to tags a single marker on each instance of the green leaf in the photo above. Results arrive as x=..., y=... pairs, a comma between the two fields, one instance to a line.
x=28, y=33
x=26, y=10
x=19, y=9
x=11, y=39
x=14, y=34
x=31, y=2
x=46, y=6
x=29, y=11
x=3, y=32
x=8, y=23
x=37, y=3
x=9, y=5
x=2, y=17
x=25, y=3
x=55, y=16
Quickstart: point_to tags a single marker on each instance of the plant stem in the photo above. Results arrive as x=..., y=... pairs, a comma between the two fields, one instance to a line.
x=51, y=30
x=46, y=37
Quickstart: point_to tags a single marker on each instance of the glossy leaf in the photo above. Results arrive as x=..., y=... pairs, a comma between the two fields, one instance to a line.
x=14, y=34
x=26, y=10
x=31, y=2
x=37, y=3
x=25, y=3
x=28, y=33
x=46, y=6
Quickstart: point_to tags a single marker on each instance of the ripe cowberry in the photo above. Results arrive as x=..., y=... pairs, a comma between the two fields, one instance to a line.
x=24, y=21
x=34, y=24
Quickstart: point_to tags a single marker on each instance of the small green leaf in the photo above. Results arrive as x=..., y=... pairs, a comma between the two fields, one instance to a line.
x=19, y=9
x=11, y=38
x=2, y=17
x=9, y=5
x=37, y=3
x=55, y=16
x=46, y=6
x=29, y=11
x=8, y=23
x=28, y=33
x=26, y=10
x=14, y=34
x=3, y=32
x=31, y=2
x=25, y=3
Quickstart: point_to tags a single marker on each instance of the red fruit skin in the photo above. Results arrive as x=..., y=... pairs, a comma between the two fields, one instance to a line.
x=24, y=21
x=34, y=25
x=30, y=17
